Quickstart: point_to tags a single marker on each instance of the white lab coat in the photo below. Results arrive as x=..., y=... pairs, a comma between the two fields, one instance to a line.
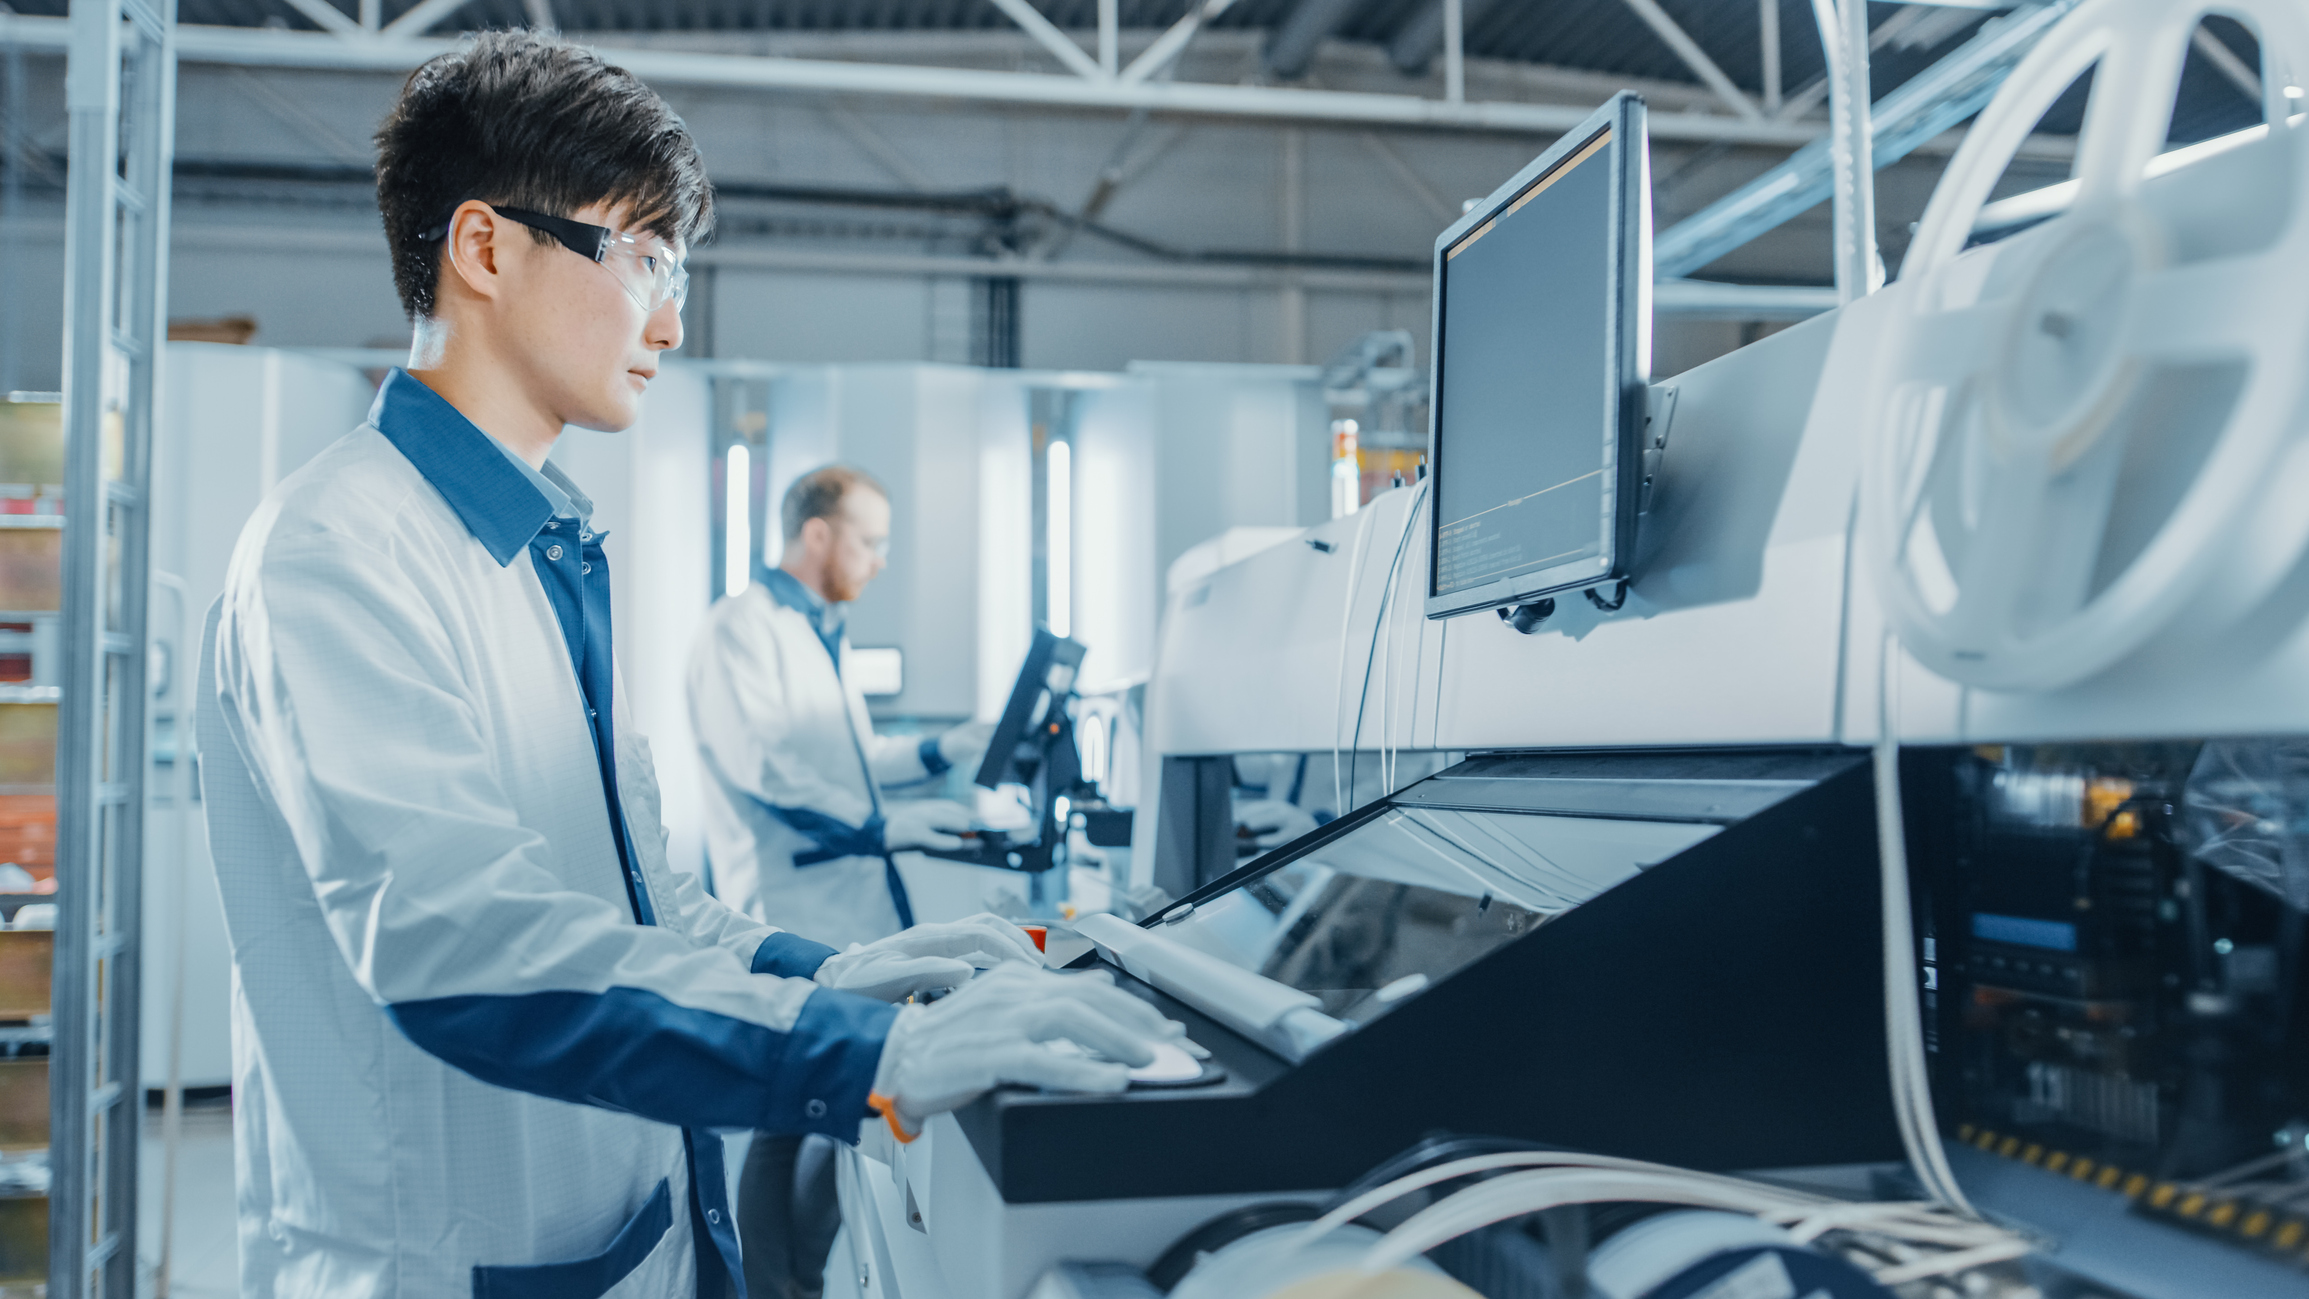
x=456, y=1052
x=788, y=748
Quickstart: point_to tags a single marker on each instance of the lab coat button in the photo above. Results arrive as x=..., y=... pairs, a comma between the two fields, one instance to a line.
x=714, y=1216
x=551, y=526
x=584, y=568
x=553, y=552
x=816, y=1109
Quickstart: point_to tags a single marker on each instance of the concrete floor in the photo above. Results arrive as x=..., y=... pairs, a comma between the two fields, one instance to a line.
x=204, y=1263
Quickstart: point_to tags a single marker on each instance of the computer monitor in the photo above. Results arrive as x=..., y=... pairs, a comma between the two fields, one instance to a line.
x=1037, y=701
x=1542, y=347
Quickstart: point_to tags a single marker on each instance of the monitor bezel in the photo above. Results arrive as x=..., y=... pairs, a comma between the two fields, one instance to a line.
x=1627, y=327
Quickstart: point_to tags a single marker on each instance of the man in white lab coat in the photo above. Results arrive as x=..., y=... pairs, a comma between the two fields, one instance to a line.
x=798, y=830
x=483, y=1035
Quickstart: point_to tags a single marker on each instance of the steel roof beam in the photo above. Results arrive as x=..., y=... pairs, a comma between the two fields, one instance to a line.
x=1695, y=58
x=1419, y=40
x=1173, y=42
x=261, y=47
x=423, y=18
x=327, y=17
x=1292, y=47
x=1935, y=100
x=1045, y=34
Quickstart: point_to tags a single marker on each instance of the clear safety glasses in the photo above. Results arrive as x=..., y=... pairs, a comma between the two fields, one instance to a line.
x=641, y=263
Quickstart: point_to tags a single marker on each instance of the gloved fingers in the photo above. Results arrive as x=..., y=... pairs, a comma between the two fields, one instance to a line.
x=1057, y=1071
x=1096, y=991
x=985, y=933
x=892, y=977
x=1087, y=1026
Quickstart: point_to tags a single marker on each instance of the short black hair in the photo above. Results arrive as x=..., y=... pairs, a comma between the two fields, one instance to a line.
x=530, y=121
x=819, y=493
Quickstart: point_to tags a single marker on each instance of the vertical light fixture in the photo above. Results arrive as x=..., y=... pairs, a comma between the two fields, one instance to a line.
x=1059, y=543
x=1346, y=470
x=738, y=511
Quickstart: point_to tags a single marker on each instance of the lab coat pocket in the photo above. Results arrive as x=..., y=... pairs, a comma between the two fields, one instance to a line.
x=585, y=1278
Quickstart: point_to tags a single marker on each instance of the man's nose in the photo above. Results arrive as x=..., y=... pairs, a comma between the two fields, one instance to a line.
x=663, y=331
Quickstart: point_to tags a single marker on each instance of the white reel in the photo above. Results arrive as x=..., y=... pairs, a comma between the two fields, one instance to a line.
x=2009, y=383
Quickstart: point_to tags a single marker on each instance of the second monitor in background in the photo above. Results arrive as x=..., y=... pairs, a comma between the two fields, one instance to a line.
x=1032, y=745
x=1541, y=351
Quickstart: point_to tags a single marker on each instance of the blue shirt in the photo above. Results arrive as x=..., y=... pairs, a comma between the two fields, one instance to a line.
x=506, y=504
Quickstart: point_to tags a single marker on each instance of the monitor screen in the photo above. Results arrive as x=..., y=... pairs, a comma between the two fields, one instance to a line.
x=1537, y=374
x=1414, y=894
x=1045, y=679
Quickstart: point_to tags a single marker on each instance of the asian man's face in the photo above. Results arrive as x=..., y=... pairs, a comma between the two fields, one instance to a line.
x=585, y=330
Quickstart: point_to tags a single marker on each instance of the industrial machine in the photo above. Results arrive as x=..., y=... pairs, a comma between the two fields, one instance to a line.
x=1880, y=864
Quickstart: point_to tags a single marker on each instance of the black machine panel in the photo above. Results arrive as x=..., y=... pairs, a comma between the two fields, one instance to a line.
x=1664, y=955
x=2113, y=945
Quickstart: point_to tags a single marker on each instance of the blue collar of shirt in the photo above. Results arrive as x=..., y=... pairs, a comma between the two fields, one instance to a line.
x=825, y=618
x=554, y=486
x=502, y=501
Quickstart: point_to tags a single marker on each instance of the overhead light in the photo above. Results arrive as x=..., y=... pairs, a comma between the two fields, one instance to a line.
x=1058, y=568
x=738, y=510
x=2292, y=92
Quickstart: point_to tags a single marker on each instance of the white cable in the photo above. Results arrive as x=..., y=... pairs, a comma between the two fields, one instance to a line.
x=1339, y=688
x=1517, y=1194
x=1390, y=748
x=1379, y=628
x=1943, y=1264
x=1903, y=1026
x=1445, y=1172
x=1560, y=1177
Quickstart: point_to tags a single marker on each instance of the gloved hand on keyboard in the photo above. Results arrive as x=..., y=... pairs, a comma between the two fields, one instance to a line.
x=927, y=956
x=996, y=1029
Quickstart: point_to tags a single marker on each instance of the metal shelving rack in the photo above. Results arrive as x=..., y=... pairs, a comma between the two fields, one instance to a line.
x=120, y=86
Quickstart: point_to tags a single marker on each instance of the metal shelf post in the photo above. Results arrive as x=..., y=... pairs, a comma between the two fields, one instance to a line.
x=120, y=87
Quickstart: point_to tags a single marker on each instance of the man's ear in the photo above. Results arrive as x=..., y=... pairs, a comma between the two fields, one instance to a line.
x=471, y=252
x=817, y=536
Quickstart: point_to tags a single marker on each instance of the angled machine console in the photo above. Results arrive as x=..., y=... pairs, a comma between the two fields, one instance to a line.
x=1668, y=955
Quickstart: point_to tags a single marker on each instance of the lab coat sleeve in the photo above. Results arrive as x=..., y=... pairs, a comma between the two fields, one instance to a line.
x=343, y=693
x=739, y=712
x=706, y=919
x=898, y=760
x=764, y=949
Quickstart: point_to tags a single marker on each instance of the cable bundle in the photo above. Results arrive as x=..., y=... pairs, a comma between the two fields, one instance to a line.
x=1895, y=1242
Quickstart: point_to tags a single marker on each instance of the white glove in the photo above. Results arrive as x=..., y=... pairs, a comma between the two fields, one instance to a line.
x=965, y=746
x=993, y=1029
x=923, y=823
x=1270, y=822
x=927, y=956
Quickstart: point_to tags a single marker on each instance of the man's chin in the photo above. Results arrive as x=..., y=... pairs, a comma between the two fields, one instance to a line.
x=608, y=418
